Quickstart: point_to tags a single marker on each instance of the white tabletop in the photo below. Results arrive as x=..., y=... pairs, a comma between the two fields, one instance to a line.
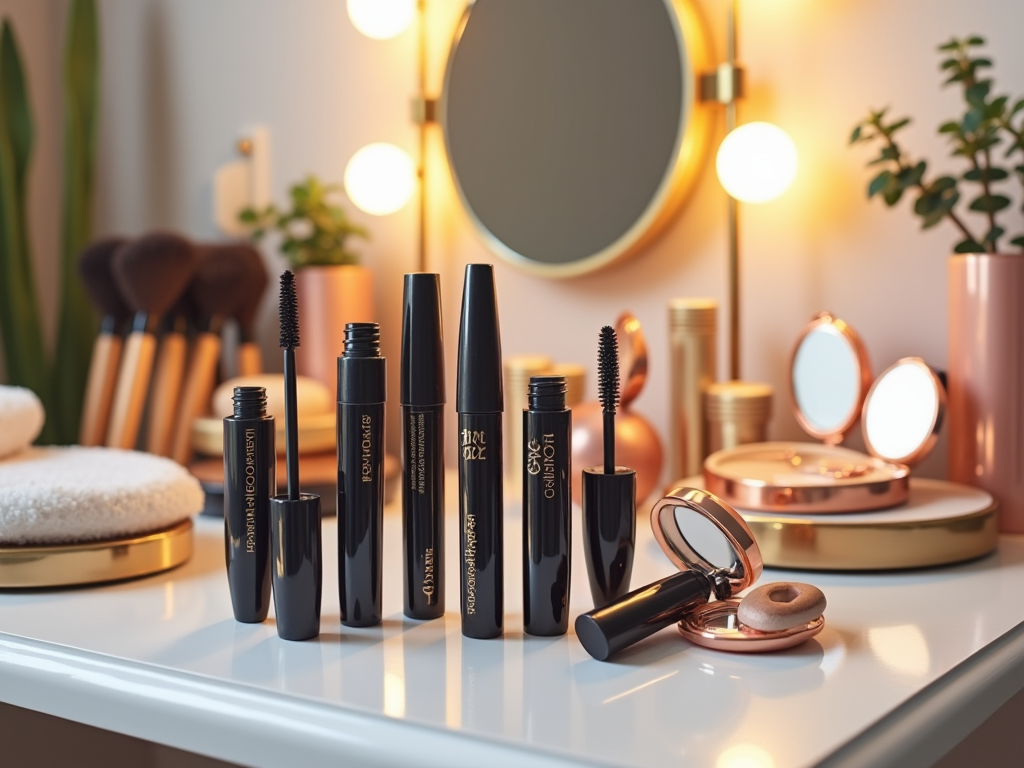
x=161, y=658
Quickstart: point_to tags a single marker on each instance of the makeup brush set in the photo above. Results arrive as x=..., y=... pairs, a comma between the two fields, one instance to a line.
x=703, y=536
x=164, y=302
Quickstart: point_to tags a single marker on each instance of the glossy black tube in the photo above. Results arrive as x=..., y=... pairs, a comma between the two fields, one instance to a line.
x=297, y=565
x=606, y=631
x=609, y=531
x=482, y=533
x=547, y=519
x=361, y=396
x=423, y=510
x=250, y=464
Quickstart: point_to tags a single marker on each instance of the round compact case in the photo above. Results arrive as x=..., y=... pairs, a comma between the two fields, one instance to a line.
x=717, y=555
x=831, y=389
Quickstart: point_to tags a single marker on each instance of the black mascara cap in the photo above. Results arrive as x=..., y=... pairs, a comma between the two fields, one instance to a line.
x=422, y=341
x=479, y=380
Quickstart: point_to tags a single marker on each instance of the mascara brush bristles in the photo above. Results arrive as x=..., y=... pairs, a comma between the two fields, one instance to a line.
x=608, y=391
x=289, y=317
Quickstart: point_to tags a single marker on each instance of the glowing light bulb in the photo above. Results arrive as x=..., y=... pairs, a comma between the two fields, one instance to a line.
x=381, y=19
x=756, y=162
x=380, y=178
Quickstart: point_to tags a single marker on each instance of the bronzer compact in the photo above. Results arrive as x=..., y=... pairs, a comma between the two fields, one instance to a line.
x=717, y=557
x=831, y=389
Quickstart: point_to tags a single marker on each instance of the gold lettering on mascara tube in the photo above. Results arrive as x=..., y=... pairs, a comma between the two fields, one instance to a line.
x=474, y=445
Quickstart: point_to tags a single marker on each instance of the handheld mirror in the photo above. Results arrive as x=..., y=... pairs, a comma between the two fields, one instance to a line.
x=903, y=412
x=829, y=377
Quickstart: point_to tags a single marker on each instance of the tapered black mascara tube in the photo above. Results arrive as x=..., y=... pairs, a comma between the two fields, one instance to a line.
x=479, y=403
x=361, y=396
x=423, y=399
x=547, y=519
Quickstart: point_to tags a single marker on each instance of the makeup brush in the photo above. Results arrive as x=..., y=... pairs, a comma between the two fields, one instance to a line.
x=168, y=375
x=296, y=543
x=96, y=271
x=608, y=393
x=250, y=362
x=152, y=273
x=217, y=290
x=609, y=493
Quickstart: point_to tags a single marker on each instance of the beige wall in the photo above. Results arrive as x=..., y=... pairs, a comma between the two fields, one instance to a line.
x=183, y=77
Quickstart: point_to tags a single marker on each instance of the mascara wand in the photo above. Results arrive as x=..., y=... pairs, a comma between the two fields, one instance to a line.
x=289, y=314
x=608, y=391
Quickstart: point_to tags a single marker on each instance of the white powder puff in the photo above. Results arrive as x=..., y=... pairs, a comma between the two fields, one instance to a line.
x=74, y=494
x=21, y=419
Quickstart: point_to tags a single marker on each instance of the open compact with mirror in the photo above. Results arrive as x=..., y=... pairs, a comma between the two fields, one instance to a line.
x=821, y=506
x=717, y=557
x=831, y=390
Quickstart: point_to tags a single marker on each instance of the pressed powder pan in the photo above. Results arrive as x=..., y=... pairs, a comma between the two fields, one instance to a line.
x=901, y=414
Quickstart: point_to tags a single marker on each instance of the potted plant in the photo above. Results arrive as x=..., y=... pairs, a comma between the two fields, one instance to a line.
x=986, y=271
x=333, y=288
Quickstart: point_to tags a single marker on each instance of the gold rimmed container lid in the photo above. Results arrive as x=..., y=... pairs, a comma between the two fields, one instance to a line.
x=727, y=400
x=698, y=314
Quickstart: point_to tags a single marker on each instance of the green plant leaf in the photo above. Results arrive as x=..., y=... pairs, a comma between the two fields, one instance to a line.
x=974, y=40
x=1017, y=107
x=949, y=64
x=855, y=136
x=969, y=246
x=950, y=127
x=952, y=45
x=977, y=63
x=1018, y=241
x=993, y=235
x=973, y=119
x=892, y=194
x=978, y=92
x=879, y=183
x=990, y=203
x=992, y=173
x=76, y=325
x=901, y=123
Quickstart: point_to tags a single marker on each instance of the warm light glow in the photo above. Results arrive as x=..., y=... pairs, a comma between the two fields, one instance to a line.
x=902, y=649
x=745, y=756
x=756, y=162
x=380, y=178
x=381, y=19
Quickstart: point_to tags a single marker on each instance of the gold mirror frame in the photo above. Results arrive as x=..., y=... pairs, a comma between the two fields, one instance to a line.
x=691, y=142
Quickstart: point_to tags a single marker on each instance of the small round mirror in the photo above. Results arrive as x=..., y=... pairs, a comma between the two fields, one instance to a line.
x=828, y=378
x=699, y=531
x=903, y=412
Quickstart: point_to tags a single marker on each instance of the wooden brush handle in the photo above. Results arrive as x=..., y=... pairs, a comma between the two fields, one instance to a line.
x=99, y=389
x=250, y=361
x=163, y=405
x=195, y=398
x=132, y=387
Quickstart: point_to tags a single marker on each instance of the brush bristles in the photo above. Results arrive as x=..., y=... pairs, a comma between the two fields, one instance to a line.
x=289, y=312
x=608, y=370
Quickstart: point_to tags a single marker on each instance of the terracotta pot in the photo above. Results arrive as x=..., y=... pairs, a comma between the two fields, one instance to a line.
x=986, y=379
x=329, y=297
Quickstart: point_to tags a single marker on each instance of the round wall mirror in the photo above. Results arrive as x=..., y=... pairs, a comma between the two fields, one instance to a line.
x=828, y=378
x=903, y=412
x=572, y=127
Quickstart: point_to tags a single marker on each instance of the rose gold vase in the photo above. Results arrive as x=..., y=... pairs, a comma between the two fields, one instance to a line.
x=986, y=379
x=329, y=297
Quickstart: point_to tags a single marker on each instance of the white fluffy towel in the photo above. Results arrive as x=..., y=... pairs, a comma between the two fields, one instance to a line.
x=21, y=419
x=76, y=494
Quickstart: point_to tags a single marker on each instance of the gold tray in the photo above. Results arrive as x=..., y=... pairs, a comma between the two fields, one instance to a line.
x=65, y=565
x=941, y=523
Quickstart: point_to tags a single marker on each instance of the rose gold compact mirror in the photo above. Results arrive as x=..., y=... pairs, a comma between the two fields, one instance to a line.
x=829, y=386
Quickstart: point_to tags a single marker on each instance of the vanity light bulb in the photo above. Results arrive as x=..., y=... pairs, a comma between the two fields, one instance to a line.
x=380, y=178
x=381, y=19
x=756, y=162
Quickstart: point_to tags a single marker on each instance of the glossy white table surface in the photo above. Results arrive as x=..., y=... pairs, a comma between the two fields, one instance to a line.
x=162, y=659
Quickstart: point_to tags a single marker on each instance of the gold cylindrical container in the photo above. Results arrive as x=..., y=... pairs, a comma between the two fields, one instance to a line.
x=737, y=413
x=692, y=333
x=575, y=381
x=518, y=370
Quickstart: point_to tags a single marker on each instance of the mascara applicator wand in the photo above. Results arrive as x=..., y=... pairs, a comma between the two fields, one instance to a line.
x=609, y=493
x=295, y=539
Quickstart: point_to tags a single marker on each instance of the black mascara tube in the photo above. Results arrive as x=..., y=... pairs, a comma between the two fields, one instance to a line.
x=250, y=463
x=479, y=403
x=547, y=519
x=423, y=399
x=361, y=396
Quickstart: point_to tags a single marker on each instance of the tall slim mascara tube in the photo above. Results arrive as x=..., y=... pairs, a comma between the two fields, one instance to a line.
x=423, y=399
x=547, y=518
x=479, y=403
x=361, y=396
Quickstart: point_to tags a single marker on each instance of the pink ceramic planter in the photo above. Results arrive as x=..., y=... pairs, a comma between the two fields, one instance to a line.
x=986, y=378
